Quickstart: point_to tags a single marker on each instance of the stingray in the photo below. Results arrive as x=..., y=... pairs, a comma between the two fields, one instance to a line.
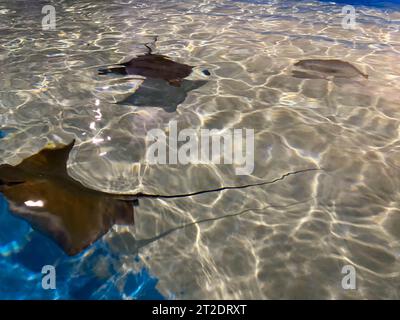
x=153, y=66
x=40, y=191
x=325, y=69
x=157, y=93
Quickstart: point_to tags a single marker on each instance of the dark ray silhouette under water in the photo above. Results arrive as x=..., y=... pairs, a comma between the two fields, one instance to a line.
x=40, y=190
x=155, y=66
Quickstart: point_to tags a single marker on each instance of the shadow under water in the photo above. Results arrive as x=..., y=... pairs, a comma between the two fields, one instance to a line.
x=159, y=93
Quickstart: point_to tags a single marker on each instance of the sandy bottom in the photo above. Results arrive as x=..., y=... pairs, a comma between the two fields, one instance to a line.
x=288, y=239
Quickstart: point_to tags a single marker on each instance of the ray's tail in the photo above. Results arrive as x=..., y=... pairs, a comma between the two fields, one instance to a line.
x=148, y=45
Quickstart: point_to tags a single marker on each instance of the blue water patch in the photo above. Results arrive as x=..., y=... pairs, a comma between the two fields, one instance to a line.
x=369, y=3
x=2, y=134
x=24, y=251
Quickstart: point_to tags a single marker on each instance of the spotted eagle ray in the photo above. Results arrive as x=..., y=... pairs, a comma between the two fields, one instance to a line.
x=153, y=66
x=40, y=191
x=323, y=69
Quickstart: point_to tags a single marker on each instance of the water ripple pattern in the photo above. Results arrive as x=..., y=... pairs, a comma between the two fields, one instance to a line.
x=289, y=239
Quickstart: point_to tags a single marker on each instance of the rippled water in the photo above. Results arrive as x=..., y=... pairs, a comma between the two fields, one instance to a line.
x=289, y=239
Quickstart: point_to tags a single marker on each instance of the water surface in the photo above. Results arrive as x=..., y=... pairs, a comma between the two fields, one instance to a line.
x=289, y=239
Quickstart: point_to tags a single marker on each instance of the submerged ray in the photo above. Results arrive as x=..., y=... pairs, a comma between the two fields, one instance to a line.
x=40, y=191
x=323, y=69
x=157, y=93
x=155, y=66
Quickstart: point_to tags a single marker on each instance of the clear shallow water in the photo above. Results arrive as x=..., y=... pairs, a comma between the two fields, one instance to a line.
x=289, y=239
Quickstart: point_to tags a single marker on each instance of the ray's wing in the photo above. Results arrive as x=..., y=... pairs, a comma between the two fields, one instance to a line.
x=72, y=216
x=158, y=66
x=49, y=162
x=63, y=209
